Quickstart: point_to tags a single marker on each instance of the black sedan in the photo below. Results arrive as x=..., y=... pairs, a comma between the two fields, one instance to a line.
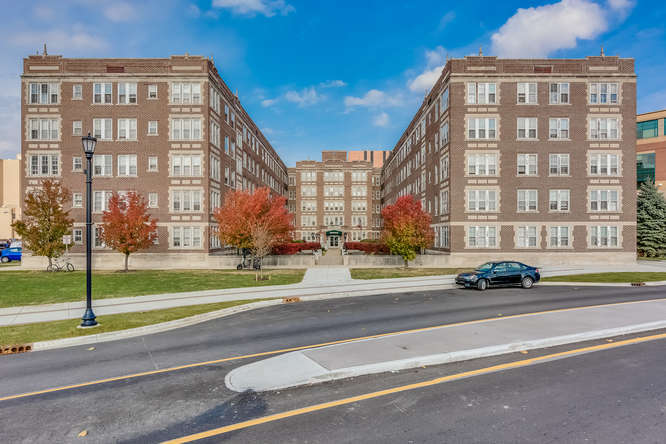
x=500, y=274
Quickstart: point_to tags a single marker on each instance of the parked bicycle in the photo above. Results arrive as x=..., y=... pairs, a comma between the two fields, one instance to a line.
x=60, y=264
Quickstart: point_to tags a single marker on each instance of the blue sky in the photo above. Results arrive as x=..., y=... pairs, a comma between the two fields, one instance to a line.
x=337, y=74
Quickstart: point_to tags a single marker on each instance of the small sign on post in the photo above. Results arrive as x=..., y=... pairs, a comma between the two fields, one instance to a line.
x=67, y=239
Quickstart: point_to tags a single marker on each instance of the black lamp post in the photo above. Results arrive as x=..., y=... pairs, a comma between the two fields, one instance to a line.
x=89, y=143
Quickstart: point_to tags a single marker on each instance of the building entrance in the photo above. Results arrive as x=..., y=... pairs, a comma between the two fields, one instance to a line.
x=333, y=237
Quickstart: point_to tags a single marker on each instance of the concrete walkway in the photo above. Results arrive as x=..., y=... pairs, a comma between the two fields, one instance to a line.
x=318, y=281
x=438, y=345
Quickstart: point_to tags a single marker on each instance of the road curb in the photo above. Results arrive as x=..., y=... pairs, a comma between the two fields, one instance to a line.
x=600, y=284
x=443, y=358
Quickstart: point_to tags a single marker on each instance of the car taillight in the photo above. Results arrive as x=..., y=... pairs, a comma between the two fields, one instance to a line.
x=538, y=271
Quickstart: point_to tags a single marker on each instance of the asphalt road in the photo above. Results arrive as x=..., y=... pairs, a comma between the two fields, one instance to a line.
x=177, y=403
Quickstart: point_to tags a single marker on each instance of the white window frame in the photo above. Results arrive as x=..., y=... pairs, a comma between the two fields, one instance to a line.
x=44, y=164
x=604, y=93
x=527, y=236
x=558, y=128
x=528, y=163
x=185, y=200
x=103, y=128
x=488, y=234
x=474, y=129
x=555, y=161
x=482, y=164
x=153, y=127
x=127, y=93
x=77, y=91
x=559, y=93
x=102, y=93
x=182, y=125
x=127, y=129
x=604, y=128
x=153, y=199
x=602, y=236
x=152, y=92
x=557, y=234
x=527, y=91
x=482, y=200
x=530, y=125
x=599, y=161
x=101, y=200
x=77, y=128
x=526, y=198
x=127, y=165
x=189, y=237
x=153, y=164
x=481, y=93
x=182, y=163
x=105, y=164
x=44, y=93
x=604, y=200
x=77, y=163
x=43, y=129
x=559, y=201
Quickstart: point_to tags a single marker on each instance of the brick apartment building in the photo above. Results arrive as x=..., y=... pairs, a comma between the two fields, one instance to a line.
x=337, y=199
x=525, y=159
x=167, y=128
x=651, y=148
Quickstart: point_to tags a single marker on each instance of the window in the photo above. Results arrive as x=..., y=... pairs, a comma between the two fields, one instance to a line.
x=186, y=93
x=645, y=167
x=186, y=165
x=558, y=164
x=527, y=236
x=308, y=176
x=126, y=129
x=445, y=100
x=357, y=191
x=334, y=205
x=152, y=200
x=527, y=164
x=481, y=128
x=480, y=93
x=152, y=164
x=102, y=93
x=558, y=128
x=152, y=91
x=226, y=175
x=77, y=200
x=527, y=93
x=103, y=129
x=334, y=191
x=214, y=100
x=44, y=93
x=44, y=129
x=359, y=205
x=214, y=200
x=444, y=133
x=311, y=191
x=604, y=200
x=603, y=93
x=292, y=180
x=215, y=167
x=481, y=164
x=103, y=165
x=604, y=128
x=359, y=176
x=186, y=129
x=527, y=200
x=226, y=144
x=309, y=221
x=101, y=201
x=214, y=133
x=44, y=165
x=527, y=127
x=444, y=167
x=359, y=221
x=481, y=237
x=559, y=200
x=226, y=113
x=604, y=164
x=77, y=128
x=77, y=92
x=559, y=93
x=77, y=234
x=603, y=236
x=186, y=237
x=309, y=205
x=152, y=127
x=444, y=202
x=481, y=200
x=559, y=236
x=127, y=165
x=126, y=93
x=185, y=201
x=647, y=129
x=77, y=164
x=333, y=220
x=332, y=176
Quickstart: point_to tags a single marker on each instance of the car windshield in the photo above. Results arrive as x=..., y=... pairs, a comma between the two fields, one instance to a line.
x=485, y=267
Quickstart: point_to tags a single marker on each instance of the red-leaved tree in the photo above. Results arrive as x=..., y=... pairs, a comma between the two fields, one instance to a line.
x=257, y=221
x=127, y=226
x=406, y=228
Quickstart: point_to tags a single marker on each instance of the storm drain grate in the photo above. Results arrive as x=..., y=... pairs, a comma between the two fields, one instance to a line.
x=12, y=349
x=638, y=284
x=291, y=300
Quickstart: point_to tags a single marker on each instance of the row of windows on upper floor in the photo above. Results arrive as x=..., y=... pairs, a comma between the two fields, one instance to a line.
x=650, y=128
x=334, y=176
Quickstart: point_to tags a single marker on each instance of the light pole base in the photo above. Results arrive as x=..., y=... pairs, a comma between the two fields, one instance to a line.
x=88, y=319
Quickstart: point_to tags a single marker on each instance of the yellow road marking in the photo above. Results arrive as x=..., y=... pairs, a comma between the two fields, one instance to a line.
x=303, y=347
x=431, y=382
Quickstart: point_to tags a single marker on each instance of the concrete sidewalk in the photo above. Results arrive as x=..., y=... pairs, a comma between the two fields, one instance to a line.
x=456, y=342
x=318, y=281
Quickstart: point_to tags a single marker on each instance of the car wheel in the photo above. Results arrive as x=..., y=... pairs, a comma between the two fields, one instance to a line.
x=527, y=282
x=4, y=259
x=482, y=284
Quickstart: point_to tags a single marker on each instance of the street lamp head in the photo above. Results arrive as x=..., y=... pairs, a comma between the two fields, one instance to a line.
x=89, y=143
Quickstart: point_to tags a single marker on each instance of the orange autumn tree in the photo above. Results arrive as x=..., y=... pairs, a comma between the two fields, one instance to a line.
x=127, y=226
x=406, y=228
x=256, y=221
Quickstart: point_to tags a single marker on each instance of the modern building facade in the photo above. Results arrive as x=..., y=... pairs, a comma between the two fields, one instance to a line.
x=167, y=128
x=10, y=195
x=524, y=158
x=651, y=148
x=337, y=199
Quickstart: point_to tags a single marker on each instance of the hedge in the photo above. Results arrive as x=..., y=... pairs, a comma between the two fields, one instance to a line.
x=295, y=247
x=367, y=247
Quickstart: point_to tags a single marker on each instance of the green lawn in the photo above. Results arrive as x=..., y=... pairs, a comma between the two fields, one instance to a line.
x=43, y=331
x=620, y=277
x=385, y=273
x=40, y=287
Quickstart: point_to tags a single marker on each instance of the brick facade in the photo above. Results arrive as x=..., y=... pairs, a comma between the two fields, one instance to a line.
x=176, y=134
x=524, y=156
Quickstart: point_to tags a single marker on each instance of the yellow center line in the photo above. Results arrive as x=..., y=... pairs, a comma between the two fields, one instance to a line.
x=303, y=347
x=418, y=385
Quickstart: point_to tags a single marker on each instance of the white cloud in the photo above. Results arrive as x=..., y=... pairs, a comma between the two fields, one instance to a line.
x=426, y=79
x=537, y=32
x=435, y=56
x=332, y=84
x=306, y=97
x=59, y=41
x=120, y=12
x=269, y=8
x=372, y=99
x=381, y=119
x=193, y=10
x=446, y=19
x=268, y=102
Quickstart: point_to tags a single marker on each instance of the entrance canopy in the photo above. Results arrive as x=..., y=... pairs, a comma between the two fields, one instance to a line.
x=334, y=233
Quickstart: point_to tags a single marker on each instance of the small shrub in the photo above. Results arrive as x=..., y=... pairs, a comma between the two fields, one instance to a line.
x=295, y=247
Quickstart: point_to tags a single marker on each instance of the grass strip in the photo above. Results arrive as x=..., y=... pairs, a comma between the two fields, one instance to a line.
x=387, y=273
x=619, y=277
